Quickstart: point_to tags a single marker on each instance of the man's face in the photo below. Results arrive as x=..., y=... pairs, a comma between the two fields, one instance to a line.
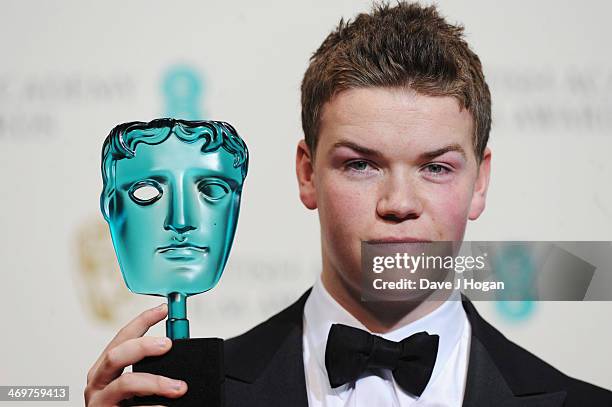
x=391, y=165
x=173, y=216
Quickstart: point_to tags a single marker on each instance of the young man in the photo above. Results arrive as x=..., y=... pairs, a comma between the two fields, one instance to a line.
x=396, y=115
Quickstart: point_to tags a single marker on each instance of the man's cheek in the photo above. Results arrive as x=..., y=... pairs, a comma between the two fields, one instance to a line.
x=450, y=215
x=345, y=199
x=341, y=211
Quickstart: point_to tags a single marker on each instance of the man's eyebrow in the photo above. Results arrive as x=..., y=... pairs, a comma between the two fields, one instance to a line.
x=360, y=149
x=428, y=155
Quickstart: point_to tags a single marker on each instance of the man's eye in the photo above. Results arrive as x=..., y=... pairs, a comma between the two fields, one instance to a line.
x=145, y=193
x=437, y=169
x=214, y=190
x=358, y=165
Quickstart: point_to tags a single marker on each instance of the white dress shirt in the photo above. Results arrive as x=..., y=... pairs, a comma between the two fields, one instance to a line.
x=445, y=387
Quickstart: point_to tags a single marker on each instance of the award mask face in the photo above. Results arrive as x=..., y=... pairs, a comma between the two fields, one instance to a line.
x=171, y=197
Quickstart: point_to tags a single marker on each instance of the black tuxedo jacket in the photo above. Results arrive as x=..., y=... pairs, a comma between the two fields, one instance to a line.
x=265, y=367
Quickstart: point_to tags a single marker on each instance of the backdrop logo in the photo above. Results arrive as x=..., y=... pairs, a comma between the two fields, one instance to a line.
x=182, y=89
x=517, y=262
x=101, y=287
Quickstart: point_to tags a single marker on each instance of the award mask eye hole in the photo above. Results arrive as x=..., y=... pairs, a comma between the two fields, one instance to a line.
x=214, y=190
x=145, y=193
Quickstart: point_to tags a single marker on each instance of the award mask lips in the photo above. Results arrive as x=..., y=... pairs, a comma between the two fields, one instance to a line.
x=183, y=252
x=171, y=197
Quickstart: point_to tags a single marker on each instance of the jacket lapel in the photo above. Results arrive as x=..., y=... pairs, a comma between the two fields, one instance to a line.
x=265, y=366
x=516, y=385
x=486, y=386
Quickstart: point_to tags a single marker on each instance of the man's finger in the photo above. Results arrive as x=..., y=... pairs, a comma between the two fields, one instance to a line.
x=125, y=354
x=138, y=384
x=134, y=329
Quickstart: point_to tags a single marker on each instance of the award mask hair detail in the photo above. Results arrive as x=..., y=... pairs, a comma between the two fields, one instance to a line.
x=171, y=197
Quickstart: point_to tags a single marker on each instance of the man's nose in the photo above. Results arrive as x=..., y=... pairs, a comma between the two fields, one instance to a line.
x=180, y=216
x=399, y=199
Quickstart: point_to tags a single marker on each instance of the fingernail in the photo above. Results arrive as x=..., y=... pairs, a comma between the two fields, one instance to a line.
x=176, y=384
x=163, y=342
x=160, y=307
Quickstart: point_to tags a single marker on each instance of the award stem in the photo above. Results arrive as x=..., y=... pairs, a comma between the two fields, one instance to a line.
x=177, y=325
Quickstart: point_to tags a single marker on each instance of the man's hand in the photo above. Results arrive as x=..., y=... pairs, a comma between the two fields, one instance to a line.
x=107, y=386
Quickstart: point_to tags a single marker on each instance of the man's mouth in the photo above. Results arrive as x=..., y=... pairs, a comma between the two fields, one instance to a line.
x=397, y=239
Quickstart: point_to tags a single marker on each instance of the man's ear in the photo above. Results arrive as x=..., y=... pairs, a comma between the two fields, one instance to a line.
x=304, y=169
x=481, y=186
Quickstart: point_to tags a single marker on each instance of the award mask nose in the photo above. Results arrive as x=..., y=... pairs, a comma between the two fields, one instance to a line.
x=179, y=218
x=180, y=229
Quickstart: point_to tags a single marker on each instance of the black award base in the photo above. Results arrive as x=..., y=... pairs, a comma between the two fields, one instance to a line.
x=198, y=362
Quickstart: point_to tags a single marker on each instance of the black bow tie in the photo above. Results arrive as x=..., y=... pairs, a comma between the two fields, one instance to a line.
x=351, y=351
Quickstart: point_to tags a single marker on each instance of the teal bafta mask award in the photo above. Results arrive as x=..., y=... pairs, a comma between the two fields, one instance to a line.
x=171, y=197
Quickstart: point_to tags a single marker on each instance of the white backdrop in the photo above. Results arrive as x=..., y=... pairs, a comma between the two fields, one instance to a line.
x=71, y=70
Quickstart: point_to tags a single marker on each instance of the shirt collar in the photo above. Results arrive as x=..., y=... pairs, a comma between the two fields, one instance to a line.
x=322, y=310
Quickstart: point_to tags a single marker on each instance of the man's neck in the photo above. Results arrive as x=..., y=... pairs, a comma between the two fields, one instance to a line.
x=376, y=316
